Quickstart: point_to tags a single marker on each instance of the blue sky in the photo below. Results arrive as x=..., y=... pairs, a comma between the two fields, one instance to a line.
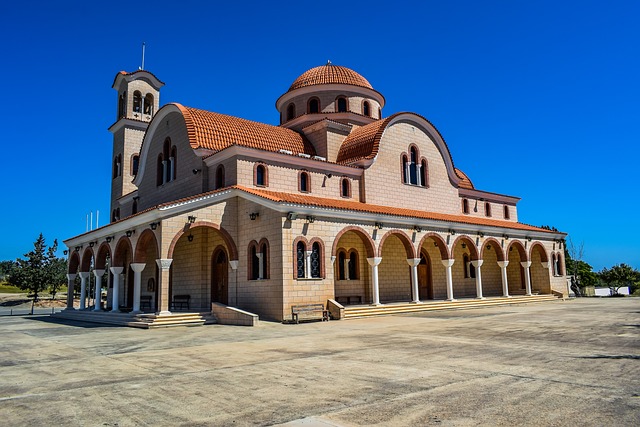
x=539, y=100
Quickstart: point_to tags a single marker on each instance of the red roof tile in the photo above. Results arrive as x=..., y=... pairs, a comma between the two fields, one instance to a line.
x=466, y=182
x=363, y=142
x=329, y=74
x=216, y=131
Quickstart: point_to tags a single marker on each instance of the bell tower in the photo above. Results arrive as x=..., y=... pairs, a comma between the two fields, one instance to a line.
x=138, y=101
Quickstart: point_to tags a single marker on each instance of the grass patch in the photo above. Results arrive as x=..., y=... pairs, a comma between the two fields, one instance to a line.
x=8, y=289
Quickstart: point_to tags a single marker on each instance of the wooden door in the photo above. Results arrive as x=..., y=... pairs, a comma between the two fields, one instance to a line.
x=219, y=278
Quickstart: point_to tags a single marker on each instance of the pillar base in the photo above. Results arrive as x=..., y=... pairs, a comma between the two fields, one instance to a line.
x=416, y=302
x=164, y=313
x=451, y=299
x=136, y=312
x=69, y=309
x=529, y=295
x=115, y=311
x=481, y=298
x=376, y=305
x=507, y=296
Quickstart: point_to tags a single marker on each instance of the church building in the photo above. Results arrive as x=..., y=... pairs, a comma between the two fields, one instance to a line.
x=338, y=205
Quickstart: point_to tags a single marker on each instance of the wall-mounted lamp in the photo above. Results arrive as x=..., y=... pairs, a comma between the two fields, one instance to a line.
x=292, y=216
x=506, y=236
x=65, y=252
x=452, y=232
x=253, y=216
x=190, y=237
x=464, y=245
x=195, y=171
x=480, y=234
x=91, y=244
x=328, y=175
x=528, y=239
x=511, y=249
x=191, y=219
x=109, y=238
x=154, y=225
x=78, y=248
x=130, y=232
x=417, y=228
x=311, y=219
x=488, y=247
x=378, y=225
x=435, y=244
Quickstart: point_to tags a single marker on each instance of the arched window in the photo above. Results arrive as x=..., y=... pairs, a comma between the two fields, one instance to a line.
x=342, y=256
x=300, y=260
x=424, y=173
x=134, y=207
x=345, y=187
x=173, y=162
x=220, y=177
x=160, y=170
x=379, y=113
x=137, y=102
x=122, y=105
x=554, y=264
x=313, y=106
x=263, y=264
x=487, y=209
x=304, y=182
x=261, y=177
x=316, y=259
x=559, y=269
x=354, y=270
x=148, y=104
x=507, y=214
x=135, y=164
x=413, y=170
x=405, y=168
x=342, y=104
x=366, y=110
x=465, y=206
x=117, y=166
x=291, y=111
x=255, y=262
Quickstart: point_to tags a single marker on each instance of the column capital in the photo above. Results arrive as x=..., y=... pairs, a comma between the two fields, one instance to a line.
x=477, y=263
x=545, y=264
x=375, y=261
x=116, y=270
x=137, y=267
x=98, y=272
x=413, y=261
x=526, y=264
x=71, y=276
x=503, y=264
x=84, y=275
x=233, y=264
x=447, y=262
x=333, y=259
x=164, y=264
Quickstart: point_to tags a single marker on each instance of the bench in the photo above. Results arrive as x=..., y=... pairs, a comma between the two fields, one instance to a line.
x=348, y=300
x=180, y=301
x=145, y=301
x=309, y=312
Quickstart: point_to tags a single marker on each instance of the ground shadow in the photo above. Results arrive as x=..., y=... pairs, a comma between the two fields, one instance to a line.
x=602, y=356
x=69, y=322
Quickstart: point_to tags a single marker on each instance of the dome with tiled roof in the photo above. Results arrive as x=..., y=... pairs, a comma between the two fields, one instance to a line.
x=329, y=74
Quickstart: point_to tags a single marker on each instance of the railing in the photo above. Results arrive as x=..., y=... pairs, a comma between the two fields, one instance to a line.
x=33, y=311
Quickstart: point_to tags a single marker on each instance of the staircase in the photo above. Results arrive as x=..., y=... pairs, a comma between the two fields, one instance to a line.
x=352, y=312
x=140, y=320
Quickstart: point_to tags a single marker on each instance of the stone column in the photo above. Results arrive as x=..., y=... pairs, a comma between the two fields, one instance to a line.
x=374, y=262
x=505, y=282
x=163, y=285
x=137, y=278
x=260, y=256
x=115, y=294
x=70, y=285
x=413, y=263
x=418, y=173
x=307, y=264
x=346, y=269
x=407, y=168
x=477, y=264
x=84, y=275
x=98, y=293
x=448, y=263
x=527, y=275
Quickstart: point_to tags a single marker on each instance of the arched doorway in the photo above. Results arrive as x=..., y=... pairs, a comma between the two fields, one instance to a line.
x=394, y=274
x=351, y=248
x=425, y=285
x=516, y=255
x=220, y=276
x=434, y=247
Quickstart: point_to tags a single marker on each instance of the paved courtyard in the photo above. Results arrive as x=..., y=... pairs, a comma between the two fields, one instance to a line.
x=558, y=363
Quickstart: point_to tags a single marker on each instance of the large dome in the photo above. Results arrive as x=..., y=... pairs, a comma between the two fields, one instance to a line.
x=329, y=74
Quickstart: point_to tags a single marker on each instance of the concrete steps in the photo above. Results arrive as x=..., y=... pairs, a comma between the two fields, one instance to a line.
x=352, y=312
x=140, y=320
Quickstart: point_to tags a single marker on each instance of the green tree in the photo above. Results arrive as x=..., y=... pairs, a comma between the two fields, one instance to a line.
x=39, y=270
x=619, y=276
x=5, y=269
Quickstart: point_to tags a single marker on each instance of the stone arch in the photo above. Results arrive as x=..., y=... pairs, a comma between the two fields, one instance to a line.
x=406, y=242
x=228, y=240
x=74, y=263
x=473, y=249
x=148, y=237
x=442, y=245
x=122, y=247
x=544, y=257
x=520, y=247
x=103, y=252
x=85, y=265
x=494, y=244
x=366, y=239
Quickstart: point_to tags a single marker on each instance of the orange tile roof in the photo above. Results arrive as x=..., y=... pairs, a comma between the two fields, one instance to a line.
x=125, y=73
x=217, y=131
x=363, y=142
x=328, y=74
x=466, y=182
x=350, y=205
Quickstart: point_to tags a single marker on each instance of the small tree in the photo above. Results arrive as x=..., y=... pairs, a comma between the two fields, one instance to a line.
x=56, y=270
x=619, y=276
x=39, y=271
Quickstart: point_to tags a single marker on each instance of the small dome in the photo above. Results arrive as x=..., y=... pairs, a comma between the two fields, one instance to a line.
x=329, y=74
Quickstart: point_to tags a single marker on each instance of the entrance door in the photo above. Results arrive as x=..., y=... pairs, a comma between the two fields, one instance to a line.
x=425, y=289
x=219, y=277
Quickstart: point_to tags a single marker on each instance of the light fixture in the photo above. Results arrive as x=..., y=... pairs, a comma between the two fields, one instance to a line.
x=452, y=232
x=311, y=219
x=65, y=252
x=435, y=244
x=511, y=249
x=253, y=216
x=528, y=239
x=190, y=237
x=78, y=248
x=109, y=238
x=191, y=219
x=378, y=225
x=154, y=225
x=328, y=175
x=130, y=232
x=91, y=244
x=291, y=216
x=417, y=228
x=195, y=171
x=464, y=245
x=488, y=247
x=506, y=236
x=480, y=234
